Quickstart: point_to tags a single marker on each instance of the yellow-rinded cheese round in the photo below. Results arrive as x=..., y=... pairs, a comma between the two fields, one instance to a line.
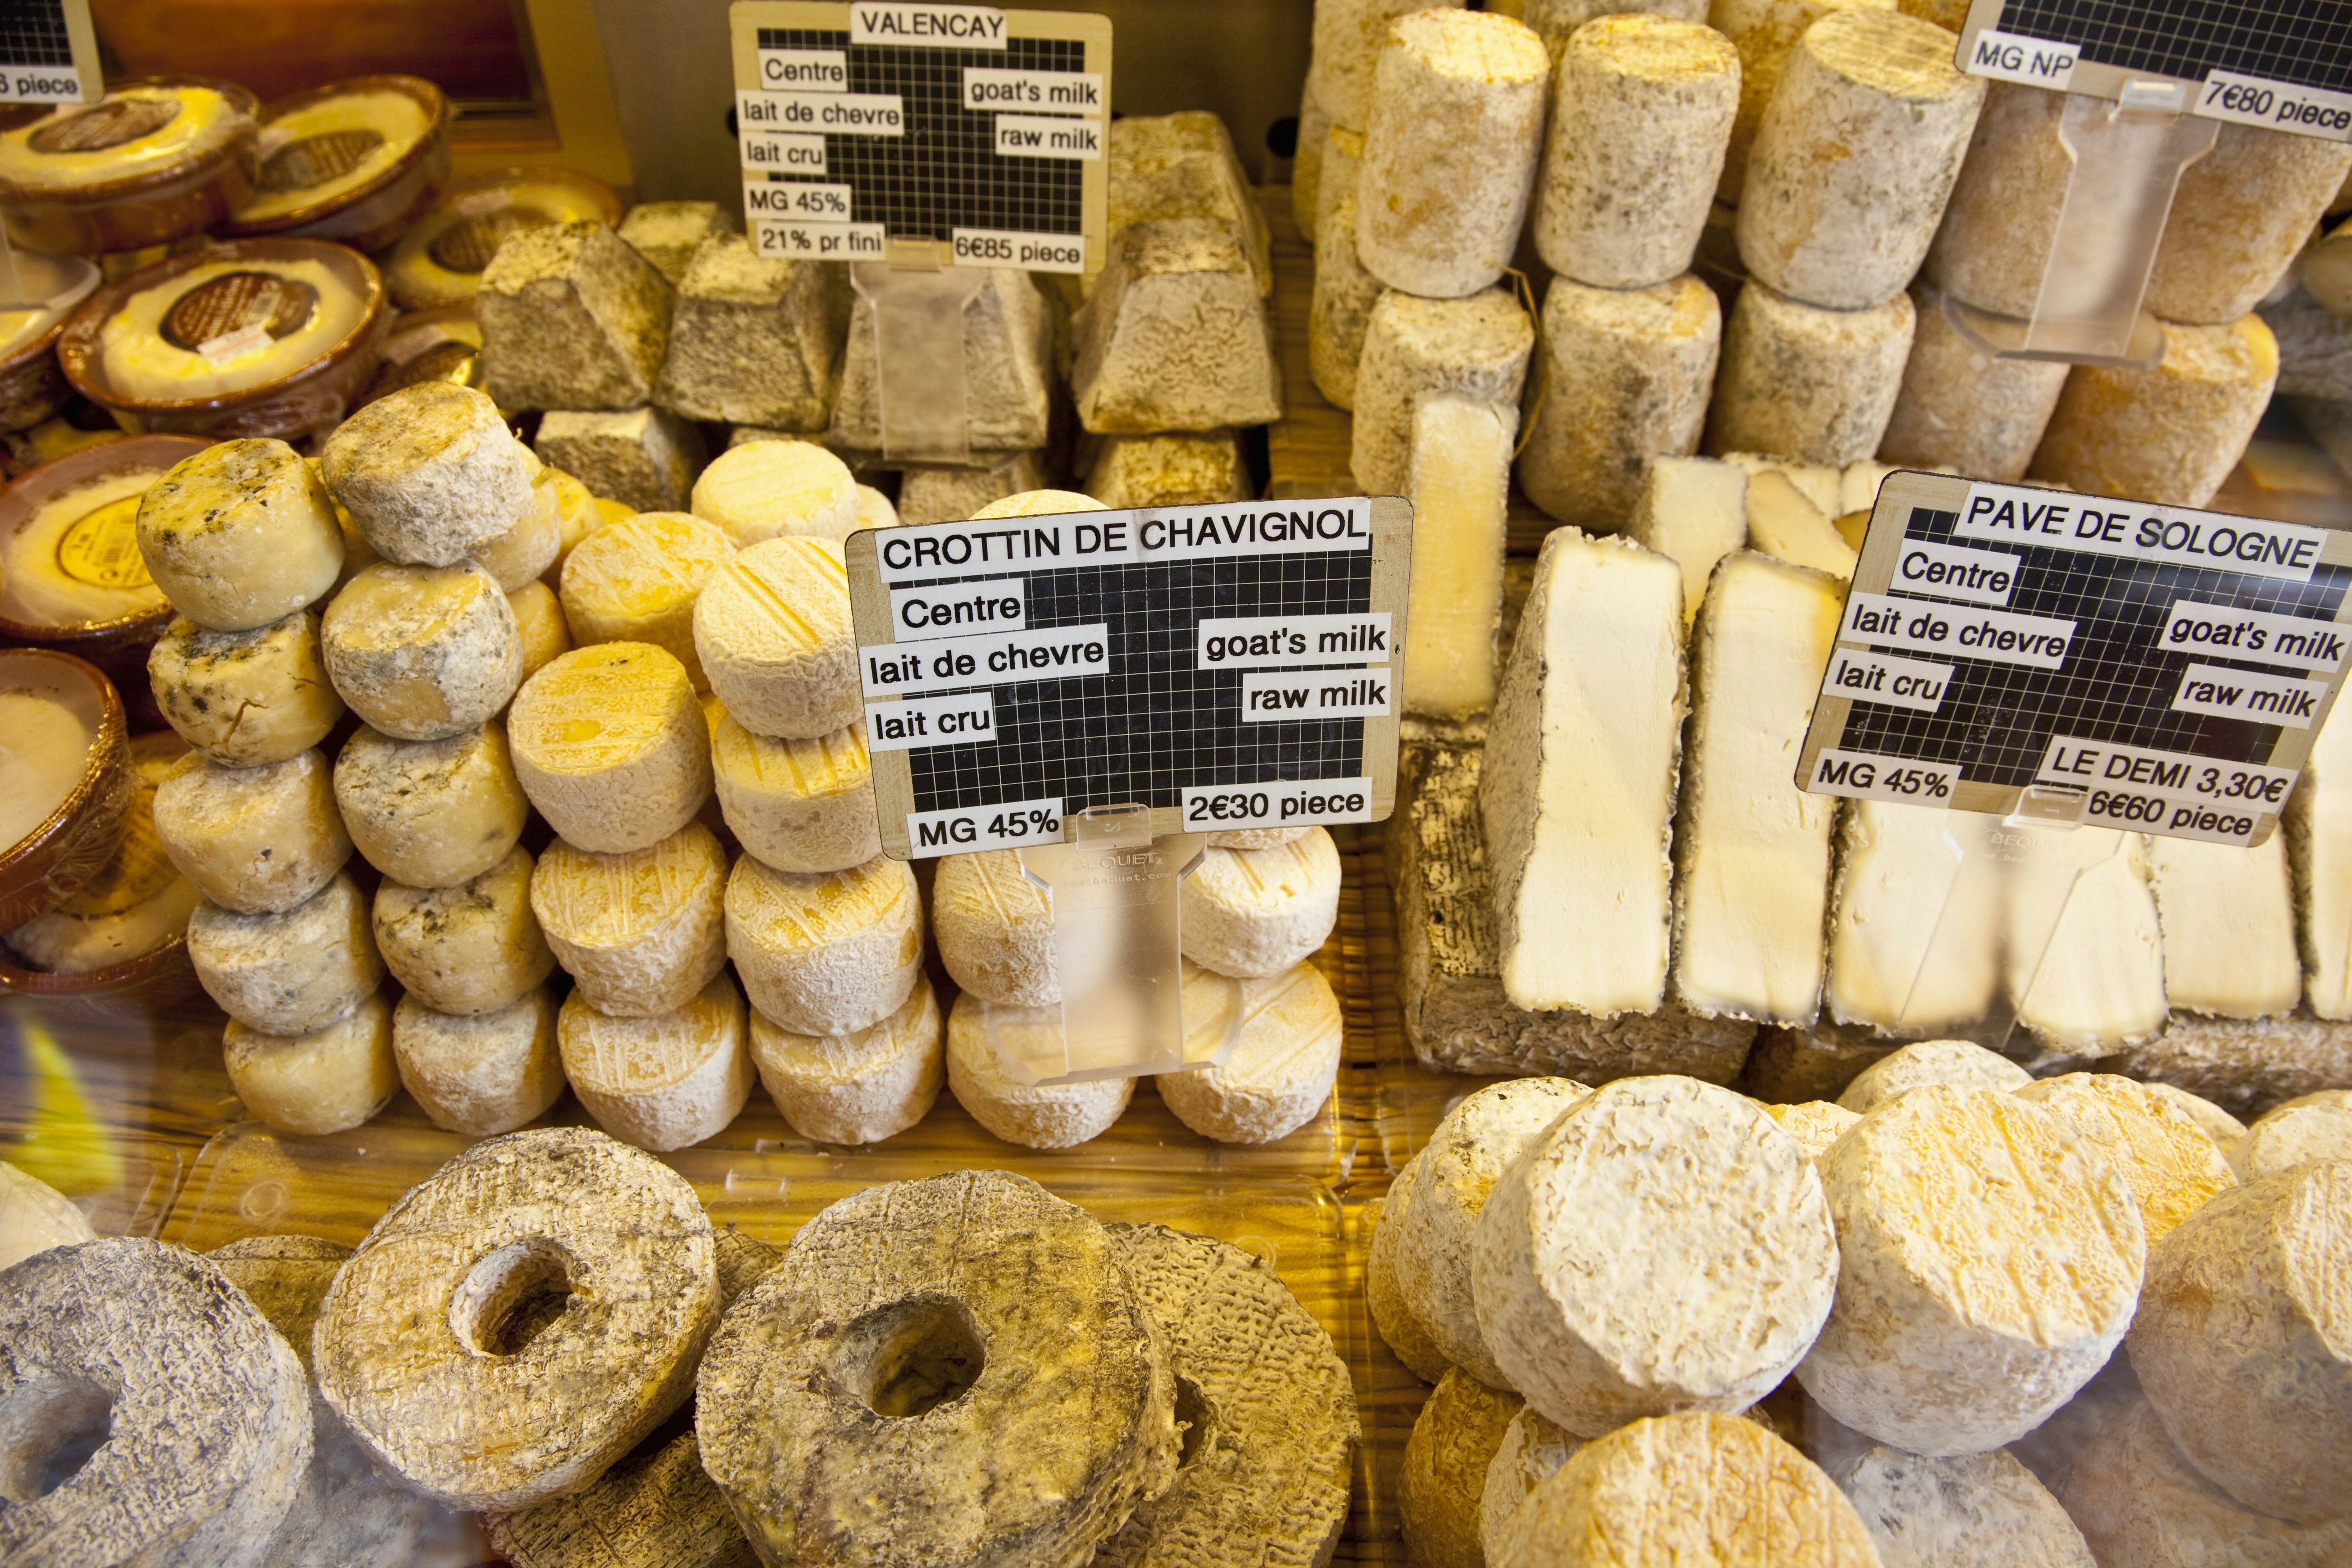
x=290, y=970
x=528, y=549
x=474, y=947
x=642, y=930
x=995, y=929
x=773, y=630
x=431, y=813
x=1039, y=1116
x=1254, y=912
x=1285, y=1059
x=481, y=1073
x=799, y=805
x=611, y=746
x=252, y=839
x=765, y=488
x=328, y=1080
x=578, y=515
x=244, y=698
x=420, y=652
x=826, y=954
x=430, y=473
x=239, y=535
x=664, y=1081
x=2168, y=1161
x=540, y=625
x=636, y=580
x=855, y=1088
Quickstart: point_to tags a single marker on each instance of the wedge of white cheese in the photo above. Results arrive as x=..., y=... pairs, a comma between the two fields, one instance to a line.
x=2319, y=841
x=2228, y=919
x=2099, y=981
x=1694, y=510
x=1783, y=522
x=1460, y=487
x=1900, y=893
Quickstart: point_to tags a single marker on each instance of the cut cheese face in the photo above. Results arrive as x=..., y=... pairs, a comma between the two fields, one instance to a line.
x=611, y=746
x=2228, y=919
x=1781, y=522
x=1460, y=490
x=1693, y=510
x=2100, y=981
x=2319, y=825
x=1900, y=894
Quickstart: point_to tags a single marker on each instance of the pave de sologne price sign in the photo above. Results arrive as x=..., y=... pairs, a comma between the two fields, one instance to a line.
x=2154, y=669
x=934, y=135
x=1228, y=666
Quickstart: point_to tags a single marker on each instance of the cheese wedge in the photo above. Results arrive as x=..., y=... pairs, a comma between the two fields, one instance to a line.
x=471, y=948
x=611, y=746
x=2228, y=919
x=244, y=698
x=572, y=318
x=289, y=972
x=1785, y=525
x=480, y=1074
x=1899, y=893
x=635, y=581
x=1693, y=510
x=642, y=930
x=662, y=1081
x=2319, y=847
x=826, y=954
x=857, y=1088
x=431, y=813
x=1823, y=484
x=1459, y=484
x=798, y=805
x=254, y=841
x=2100, y=981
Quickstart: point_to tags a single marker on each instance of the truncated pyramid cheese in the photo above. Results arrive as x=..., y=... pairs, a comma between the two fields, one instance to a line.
x=1957, y=1064
x=668, y=233
x=430, y=473
x=954, y=495
x=1786, y=526
x=481, y=1073
x=2238, y=218
x=252, y=839
x=642, y=930
x=1815, y=1124
x=1477, y=347
x=1989, y=1262
x=773, y=630
x=1531, y=1450
x=1627, y=375
x=1168, y=470
x=610, y=746
x=1348, y=37
x=665, y=1081
x=2137, y=1500
x=244, y=698
x=288, y=972
x=572, y=318
x=798, y=805
x=1444, y=1476
x=1752, y=851
x=1815, y=384
x=329, y=1080
x=422, y=652
x=1460, y=487
x=2170, y=1164
x=528, y=551
x=826, y=954
x=1853, y=158
x=1339, y=307
x=764, y=488
x=1184, y=165
x=1900, y=896
x=431, y=813
x=1393, y=1319
x=2101, y=979
x=635, y=581
x=1007, y=358
x=540, y=625
x=2228, y=919
x=1578, y=789
x=644, y=459
x=471, y=948
x=754, y=339
x=1978, y=1510
x=1642, y=109
x=1285, y=1059
x=239, y=535
x=1588, y=1244
x=1039, y=1116
x=995, y=929
x=1765, y=32
x=1962, y=409
x=859, y=1087
x=2319, y=847
x=35, y=1217
x=2308, y=1128
x=1176, y=335
x=1693, y=510
x=2168, y=434
x=1251, y=913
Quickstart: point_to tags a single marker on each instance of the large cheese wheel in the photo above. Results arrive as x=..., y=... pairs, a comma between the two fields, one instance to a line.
x=611, y=746
x=855, y=1088
x=431, y=813
x=2172, y=1165
x=995, y=929
x=2138, y=1501
x=239, y=535
x=255, y=839
x=328, y=1079
x=290, y=970
x=642, y=930
x=665, y=1081
x=798, y=805
x=480, y=1074
x=1041, y=1116
x=1806, y=382
x=635, y=581
x=430, y=473
x=772, y=627
x=246, y=697
x=1286, y=1035
x=1958, y=1063
x=422, y=652
x=826, y=954
x=474, y=947
x=1252, y=913
x=1452, y=1442
x=764, y=488
x=2170, y=434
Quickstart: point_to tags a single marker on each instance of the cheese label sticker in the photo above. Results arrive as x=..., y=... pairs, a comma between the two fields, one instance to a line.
x=101, y=547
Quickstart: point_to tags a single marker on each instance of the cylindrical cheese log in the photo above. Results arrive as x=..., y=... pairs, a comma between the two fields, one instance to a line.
x=2172, y=1167
x=1854, y=158
x=2138, y=1502
x=1764, y=32
x=1800, y=382
x=1340, y=309
x=1557, y=21
x=431, y=813
x=995, y=929
x=2169, y=435
x=2238, y=217
x=420, y=652
x=1957, y=1064
x=430, y=473
x=825, y=955
x=1588, y=1247
x=664, y=1081
x=860, y=1087
x=1627, y=373
x=1251, y=913
x=1532, y=1449
x=244, y=698
x=1343, y=166
x=610, y=746
x=1306, y=159
x=1040, y=1116
x=642, y=930
x=474, y=947
x=1988, y=1260
x=481, y=1073
x=764, y=488
x=1639, y=115
x=2239, y=1342
x=1994, y=243
x=1962, y=409
x=1477, y=347
x=798, y=805
x=635, y=581
x=1444, y=1476
x=239, y=535
x=525, y=553
x=1348, y=37
x=1450, y=151
x=1286, y=1055
x=290, y=971
x=1393, y=1318
x=328, y=1080
x=540, y=625
x=774, y=635
x=252, y=839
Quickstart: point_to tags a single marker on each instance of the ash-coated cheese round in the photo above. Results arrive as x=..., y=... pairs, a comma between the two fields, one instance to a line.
x=285, y=1275
x=431, y=813
x=244, y=699
x=239, y=535
x=1040, y=1116
x=1998, y=228
x=642, y=930
x=635, y=581
x=2238, y=218
x=2310, y=1127
x=1974, y=1511
x=430, y=473
x=860, y=1087
x=195, y=1407
x=2168, y=436
x=797, y=805
x=328, y=1080
x=772, y=627
x=480, y=1074
x=1533, y=1447
x=540, y=625
x=1443, y=1477
x=1433, y=1218
x=1267, y=1403
x=1807, y=383
x=291, y=971
x=2242, y=1340
x=2170, y=1164
x=35, y=1217
x=611, y=746
x=764, y=489
x=422, y=652
x=968, y=1346
x=824, y=955
x=1962, y=409
x=662, y=1081
x=1251, y=913
x=1478, y=347
x=521, y=1317
x=471, y=947
x=1814, y=1124
x=2139, y=1502
x=1287, y=1038
x=1960, y=1064
x=1696, y=1488
x=525, y=552
x=1391, y=1312
x=1450, y=151
x=252, y=839
x=1642, y=107
x=1586, y=1248
x=995, y=929
x=1989, y=1262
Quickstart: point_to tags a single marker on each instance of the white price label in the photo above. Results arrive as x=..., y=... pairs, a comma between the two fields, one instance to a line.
x=2257, y=699
x=1858, y=775
x=927, y=26
x=39, y=84
x=2172, y=793
x=979, y=828
x=1047, y=136
x=782, y=151
x=2012, y=57
x=804, y=70
x=966, y=719
x=791, y=240
x=1214, y=808
x=1914, y=683
x=231, y=346
x=1269, y=698
x=822, y=113
x=2275, y=106
x=796, y=199
x=1030, y=252
x=1033, y=92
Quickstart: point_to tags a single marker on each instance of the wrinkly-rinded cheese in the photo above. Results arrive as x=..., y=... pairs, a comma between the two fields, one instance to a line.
x=1813, y=384
x=291, y=972
x=1393, y=1319
x=431, y=474
x=1578, y=788
x=1177, y=336
x=1815, y=1124
x=239, y=535
x=1900, y=896
x=664, y=1080
x=1959, y=1064
x=1960, y=408
x=35, y=1217
x=252, y=839
x=244, y=698
x=610, y=746
x=754, y=339
x=431, y=813
x=540, y=627
x=2242, y=1063
x=773, y=630
x=1460, y=485
x=1990, y=1258
x=1039, y=1116
x=874, y=509
x=329, y=1080
x=798, y=805
x=572, y=318
x=2308, y=1128
x=2228, y=919
x=2170, y=1163
x=1694, y=511
x=1783, y=524
x=766, y=489
x=635, y=581
x=2170, y=434
x=644, y=459
x=1285, y=1059
x=528, y=551
x=1478, y=347
x=2100, y=981
x=1251, y=913
x=2238, y=218
x=826, y=954
x=1452, y=1442
x=930, y=494
x=1976, y=1510
x=2137, y=1500
x=480, y=1074
x=1751, y=850
x=1532, y=1448
x=422, y=652
x=642, y=930
x=473, y=947
x=859, y=1087
x=995, y=929
x=2216, y=1123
